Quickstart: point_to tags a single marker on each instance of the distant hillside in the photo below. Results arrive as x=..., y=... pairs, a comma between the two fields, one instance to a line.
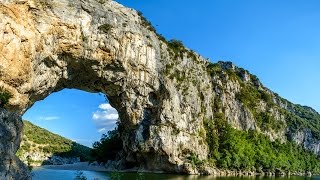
x=39, y=145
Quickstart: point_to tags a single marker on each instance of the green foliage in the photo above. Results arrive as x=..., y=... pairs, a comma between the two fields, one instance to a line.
x=4, y=97
x=105, y=28
x=266, y=97
x=254, y=78
x=233, y=75
x=240, y=150
x=29, y=164
x=140, y=176
x=39, y=139
x=266, y=121
x=177, y=48
x=233, y=149
x=146, y=23
x=116, y=175
x=250, y=96
x=168, y=68
x=301, y=118
x=108, y=147
x=192, y=55
x=195, y=161
x=214, y=68
x=176, y=44
x=180, y=76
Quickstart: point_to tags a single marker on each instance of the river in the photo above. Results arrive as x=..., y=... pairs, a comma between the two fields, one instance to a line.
x=54, y=174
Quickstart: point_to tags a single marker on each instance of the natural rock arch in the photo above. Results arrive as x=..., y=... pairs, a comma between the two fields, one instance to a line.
x=164, y=93
x=50, y=45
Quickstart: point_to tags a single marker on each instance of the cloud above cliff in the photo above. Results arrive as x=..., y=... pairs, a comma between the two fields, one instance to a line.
x=105, y=118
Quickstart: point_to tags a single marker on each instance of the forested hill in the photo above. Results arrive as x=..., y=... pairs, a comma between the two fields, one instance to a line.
x=39, y=145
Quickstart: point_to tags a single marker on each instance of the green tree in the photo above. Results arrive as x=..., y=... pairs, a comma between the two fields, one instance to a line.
x=108, y=147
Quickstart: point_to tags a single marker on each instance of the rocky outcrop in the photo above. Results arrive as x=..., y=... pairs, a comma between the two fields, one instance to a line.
x=46, y=46
x=40, y=158
x=11, y=167
x=56, y=160
x=306, y=139
x=162, y=91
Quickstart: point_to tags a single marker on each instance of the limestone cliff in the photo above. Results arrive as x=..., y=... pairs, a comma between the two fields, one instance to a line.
x=50, y=45
x=164, y=92
x=11, y=167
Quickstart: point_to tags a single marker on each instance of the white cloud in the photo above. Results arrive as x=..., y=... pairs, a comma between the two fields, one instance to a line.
x=49, y=118
x=106, y=106
x=104, y=115
x=105, y=118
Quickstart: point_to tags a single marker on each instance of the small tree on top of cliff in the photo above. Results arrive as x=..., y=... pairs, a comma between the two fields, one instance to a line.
x=4, y=97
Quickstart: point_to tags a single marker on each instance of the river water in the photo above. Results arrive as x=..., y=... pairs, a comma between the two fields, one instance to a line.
x=53, y=174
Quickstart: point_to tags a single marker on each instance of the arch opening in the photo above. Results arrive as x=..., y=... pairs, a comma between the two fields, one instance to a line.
x=80, y=117
x=136, y=95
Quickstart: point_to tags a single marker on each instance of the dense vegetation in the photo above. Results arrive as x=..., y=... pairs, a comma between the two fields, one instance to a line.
x=243, y=150
x=303, y=117
x=36, y=139
x=251, y=96
x=108, y=147
x=240, y=150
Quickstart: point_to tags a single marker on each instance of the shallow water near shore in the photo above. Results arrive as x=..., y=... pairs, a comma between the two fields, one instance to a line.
x=41, y=173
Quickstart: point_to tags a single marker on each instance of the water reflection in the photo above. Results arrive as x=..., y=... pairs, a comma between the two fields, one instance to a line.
x=52, y=174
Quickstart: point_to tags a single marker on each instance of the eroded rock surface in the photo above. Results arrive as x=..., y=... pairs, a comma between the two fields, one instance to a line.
x=162, y=91
x=11, y=167
x=46, y=46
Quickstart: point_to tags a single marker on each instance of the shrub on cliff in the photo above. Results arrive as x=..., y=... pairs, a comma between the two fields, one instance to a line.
x=4, y=97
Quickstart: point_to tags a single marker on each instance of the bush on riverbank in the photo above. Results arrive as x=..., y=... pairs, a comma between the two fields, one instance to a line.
x=108, y=147
x=240, y=150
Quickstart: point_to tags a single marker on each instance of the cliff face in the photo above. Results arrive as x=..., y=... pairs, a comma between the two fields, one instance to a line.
x=247, y=105
x=10, y=134
x=164, y=93
x=50, y=45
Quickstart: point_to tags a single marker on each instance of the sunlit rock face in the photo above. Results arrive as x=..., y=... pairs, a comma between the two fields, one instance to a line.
x=163, y=92
x=46, y=46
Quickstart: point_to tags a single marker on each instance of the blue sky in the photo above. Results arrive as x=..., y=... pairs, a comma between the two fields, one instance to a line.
x=277, y=40
x=78, y=115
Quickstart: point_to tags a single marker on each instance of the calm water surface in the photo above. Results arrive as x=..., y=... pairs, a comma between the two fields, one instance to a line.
x=53, y=174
